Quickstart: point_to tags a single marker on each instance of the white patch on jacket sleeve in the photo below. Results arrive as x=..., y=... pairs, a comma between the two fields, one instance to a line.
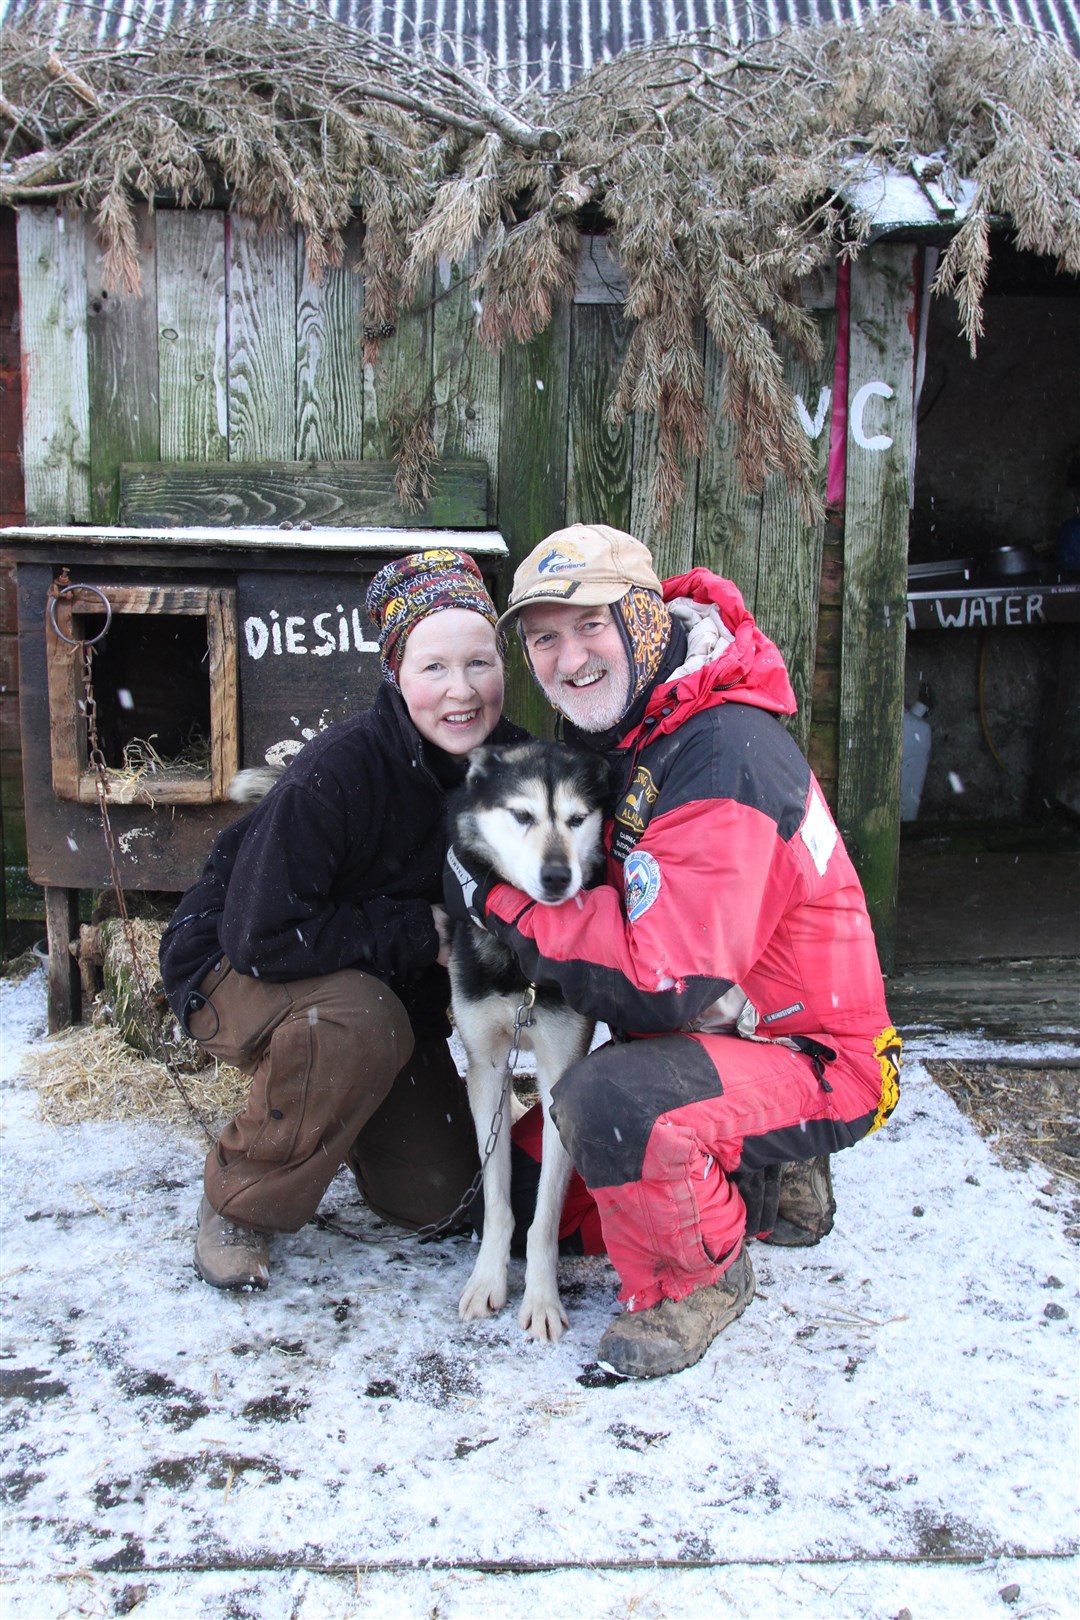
x=818, y=832
x=641, y=880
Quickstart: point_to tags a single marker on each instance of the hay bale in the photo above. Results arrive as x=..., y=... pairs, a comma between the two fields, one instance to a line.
x=89, y=1073
x=133, y=1000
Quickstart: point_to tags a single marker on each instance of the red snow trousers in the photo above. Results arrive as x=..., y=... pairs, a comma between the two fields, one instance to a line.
x=656, y=1127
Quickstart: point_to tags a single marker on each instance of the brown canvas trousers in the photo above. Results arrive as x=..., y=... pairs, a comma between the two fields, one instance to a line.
x=336, y=1076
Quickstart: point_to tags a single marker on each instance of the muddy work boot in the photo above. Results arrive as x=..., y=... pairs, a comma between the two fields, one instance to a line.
x=230, y=1256
x=805, y=1212
x=676, y=1333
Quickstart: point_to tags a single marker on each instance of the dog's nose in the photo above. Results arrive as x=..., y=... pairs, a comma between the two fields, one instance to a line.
x=555, y=879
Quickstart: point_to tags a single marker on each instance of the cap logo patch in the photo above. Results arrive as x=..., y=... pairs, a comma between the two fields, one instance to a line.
x=641, y=878
x=552, y=587
x=556, y=561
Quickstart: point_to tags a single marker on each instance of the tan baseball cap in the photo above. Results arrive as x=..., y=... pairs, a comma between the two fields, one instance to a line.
x=586, y=565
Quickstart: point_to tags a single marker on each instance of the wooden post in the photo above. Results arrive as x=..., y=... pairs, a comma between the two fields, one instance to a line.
x=875, y=573
x=62, y=921
x=532, y=474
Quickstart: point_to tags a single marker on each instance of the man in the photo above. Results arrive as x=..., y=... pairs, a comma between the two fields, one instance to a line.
x=730, y=952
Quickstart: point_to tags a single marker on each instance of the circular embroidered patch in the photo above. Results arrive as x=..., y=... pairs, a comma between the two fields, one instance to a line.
x=641, y=876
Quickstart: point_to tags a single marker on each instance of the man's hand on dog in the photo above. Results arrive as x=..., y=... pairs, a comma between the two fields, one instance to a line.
x=465, y=892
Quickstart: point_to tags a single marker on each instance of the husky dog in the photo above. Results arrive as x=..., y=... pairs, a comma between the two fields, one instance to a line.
x=531, y=812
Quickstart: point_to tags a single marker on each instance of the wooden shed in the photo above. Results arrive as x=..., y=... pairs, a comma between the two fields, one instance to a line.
x=227, y=391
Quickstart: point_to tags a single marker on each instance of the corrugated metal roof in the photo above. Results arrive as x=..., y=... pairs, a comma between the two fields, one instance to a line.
x=552, y=41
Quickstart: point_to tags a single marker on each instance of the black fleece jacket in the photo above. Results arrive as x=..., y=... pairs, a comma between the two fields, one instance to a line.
x=337, y=867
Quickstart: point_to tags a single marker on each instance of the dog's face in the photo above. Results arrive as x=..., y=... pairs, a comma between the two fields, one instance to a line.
x=533, y=811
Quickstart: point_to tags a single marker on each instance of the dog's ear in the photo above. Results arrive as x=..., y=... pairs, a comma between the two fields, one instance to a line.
x=480, y=762
x=597, y=776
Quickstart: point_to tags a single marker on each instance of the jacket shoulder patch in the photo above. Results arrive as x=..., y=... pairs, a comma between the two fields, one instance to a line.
x=641, y=878
x=818, y=832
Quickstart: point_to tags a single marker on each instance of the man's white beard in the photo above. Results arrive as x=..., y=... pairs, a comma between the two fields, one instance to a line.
x=592, y=708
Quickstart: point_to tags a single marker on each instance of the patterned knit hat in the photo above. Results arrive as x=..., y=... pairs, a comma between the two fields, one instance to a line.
x=409, y=589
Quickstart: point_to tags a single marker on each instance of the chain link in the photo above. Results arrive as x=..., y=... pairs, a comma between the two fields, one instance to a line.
x=96, y=760
x=523, y=1020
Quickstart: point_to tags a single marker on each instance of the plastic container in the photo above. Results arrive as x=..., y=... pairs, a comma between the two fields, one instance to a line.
x=914, y=760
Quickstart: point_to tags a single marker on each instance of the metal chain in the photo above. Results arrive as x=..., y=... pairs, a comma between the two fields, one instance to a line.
x=523, y=1020
x=96, y=760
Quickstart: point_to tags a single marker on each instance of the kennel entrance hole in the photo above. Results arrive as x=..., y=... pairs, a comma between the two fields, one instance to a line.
x=164, y=678
x=151, y=680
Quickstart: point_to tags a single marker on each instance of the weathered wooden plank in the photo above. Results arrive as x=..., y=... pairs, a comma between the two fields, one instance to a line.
x=1019, y=1001
x=466, y=377
x=599, y=480
x=789, y=560
x=261, y=341
x=727, y=523
x=56, y=393
x=397, y=388
x=64, y=992
x=333, y=494
x=532, y=473
x=192, y=325
x=875, y=573
x=121, y=332
x=600, y=277
x=329, y=358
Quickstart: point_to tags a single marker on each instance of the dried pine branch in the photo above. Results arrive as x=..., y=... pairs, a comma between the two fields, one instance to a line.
x=719, y=172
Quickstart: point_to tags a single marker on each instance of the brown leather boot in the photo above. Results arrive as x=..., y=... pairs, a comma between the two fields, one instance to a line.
x=676, y=1333
x=230, y=1256
x=806, y=1207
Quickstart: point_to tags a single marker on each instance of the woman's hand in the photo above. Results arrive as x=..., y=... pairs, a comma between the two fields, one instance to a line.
x=445, y=930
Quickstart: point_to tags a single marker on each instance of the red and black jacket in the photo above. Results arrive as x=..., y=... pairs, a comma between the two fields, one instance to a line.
x=727, y=878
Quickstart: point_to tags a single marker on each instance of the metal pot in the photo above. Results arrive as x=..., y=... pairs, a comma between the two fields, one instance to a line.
x=1010, y=562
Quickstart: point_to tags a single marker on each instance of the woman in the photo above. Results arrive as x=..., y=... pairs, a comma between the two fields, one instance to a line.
x=310, y=953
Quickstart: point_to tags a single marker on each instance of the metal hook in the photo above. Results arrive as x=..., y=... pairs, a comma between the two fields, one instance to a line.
x=80, y=641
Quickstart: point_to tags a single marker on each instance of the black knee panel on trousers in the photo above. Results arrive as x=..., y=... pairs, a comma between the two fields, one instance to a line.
x=605, y=1107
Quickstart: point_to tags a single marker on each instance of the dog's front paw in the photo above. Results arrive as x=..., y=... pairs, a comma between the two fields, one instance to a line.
x=543, y=1318
x=485, y=1294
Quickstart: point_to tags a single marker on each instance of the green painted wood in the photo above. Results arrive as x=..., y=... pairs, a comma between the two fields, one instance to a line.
x=727, y=524
x=789, y=556
x=326, y=494
x=121, y=333
x=192, y=349
x=56, y=391
x=261, y=341
x=329, y=358
x=875, y=574
x=532, y=474
x=398, y=385
x=466, y=377
x=599, y=479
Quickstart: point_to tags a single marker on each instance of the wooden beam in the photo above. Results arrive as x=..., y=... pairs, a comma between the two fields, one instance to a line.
x=64, y=990
x=331, y=494
x=875, y=573
x=789, y=557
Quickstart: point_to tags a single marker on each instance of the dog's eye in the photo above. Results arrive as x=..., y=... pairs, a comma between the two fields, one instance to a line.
x=524, y=818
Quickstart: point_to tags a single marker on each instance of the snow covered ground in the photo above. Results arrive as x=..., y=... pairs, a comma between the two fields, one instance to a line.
x=891, y=1426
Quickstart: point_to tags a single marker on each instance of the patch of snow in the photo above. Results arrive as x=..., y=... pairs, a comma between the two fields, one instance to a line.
x=892, y=1400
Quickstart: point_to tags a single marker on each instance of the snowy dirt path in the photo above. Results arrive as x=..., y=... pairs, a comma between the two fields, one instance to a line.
x=892, y=1424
